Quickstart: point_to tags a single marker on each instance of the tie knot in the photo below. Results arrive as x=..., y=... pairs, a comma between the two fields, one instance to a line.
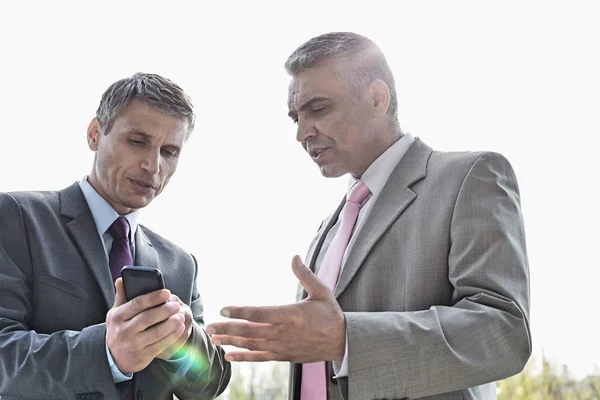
x=359, y=193
x=120, y=228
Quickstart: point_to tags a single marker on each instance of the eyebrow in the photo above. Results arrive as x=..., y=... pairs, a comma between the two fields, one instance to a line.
x=140, y=133
x=149, y=138
x=293, y=113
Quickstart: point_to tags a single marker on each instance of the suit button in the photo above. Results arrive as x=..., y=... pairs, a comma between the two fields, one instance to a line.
x=333, y=380
x=139, y=395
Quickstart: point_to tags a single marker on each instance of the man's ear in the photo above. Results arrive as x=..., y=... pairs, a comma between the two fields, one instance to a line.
x=380, y=96
x=93, y=134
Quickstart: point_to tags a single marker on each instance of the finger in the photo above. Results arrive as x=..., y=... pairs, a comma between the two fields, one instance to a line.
x=243, y=329
x=266, y=314
x=184, y=308
x=156, y=315
x=311, y=283
x=144, y=302
x=172, y=328
x=165, y=345
x=120, y=298
x=252, y=356
x=187, y=313
x=242, y=342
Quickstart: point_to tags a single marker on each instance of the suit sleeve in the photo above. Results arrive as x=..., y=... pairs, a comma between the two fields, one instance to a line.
x=34, y=365
x=203, y=372
x=483, y=335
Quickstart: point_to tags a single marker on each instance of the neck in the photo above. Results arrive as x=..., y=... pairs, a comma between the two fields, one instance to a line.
x=377, y=150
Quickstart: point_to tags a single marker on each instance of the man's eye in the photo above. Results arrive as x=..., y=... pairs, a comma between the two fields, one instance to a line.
x=318, y=110
x=169, y=153
x=136, y=142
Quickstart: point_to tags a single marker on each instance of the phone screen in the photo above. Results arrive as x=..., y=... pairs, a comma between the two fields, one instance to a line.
x=139, y=280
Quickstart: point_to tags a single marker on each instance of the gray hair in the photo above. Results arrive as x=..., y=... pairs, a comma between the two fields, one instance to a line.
x=362, y=61
x=155, y=90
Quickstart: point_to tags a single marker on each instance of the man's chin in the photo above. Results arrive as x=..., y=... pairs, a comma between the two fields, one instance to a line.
x=139, y=202
x=328, y=172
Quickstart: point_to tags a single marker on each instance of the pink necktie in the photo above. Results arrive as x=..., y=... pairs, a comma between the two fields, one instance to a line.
x=314, y=378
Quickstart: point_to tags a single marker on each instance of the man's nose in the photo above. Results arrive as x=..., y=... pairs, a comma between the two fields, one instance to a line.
x=305, y=131
x=151, y=162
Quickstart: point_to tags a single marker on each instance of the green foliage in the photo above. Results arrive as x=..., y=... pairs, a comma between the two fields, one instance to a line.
x=254, y=381
x=538, y=381
x=548, y=384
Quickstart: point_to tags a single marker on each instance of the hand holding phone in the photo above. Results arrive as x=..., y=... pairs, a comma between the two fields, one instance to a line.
x=139, y=280
x=124, y=331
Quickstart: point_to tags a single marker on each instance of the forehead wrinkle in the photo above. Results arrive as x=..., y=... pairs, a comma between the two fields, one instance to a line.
x=302, y=93
x=133, y=128
x=298, y=99
x=292, y=92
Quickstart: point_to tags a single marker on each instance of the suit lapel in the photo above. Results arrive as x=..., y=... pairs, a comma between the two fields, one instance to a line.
x=315, y=247
x=394, y=198
x=84, y=233
x=145, y=255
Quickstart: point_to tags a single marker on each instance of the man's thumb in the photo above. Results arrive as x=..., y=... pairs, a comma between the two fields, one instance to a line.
x=313, y=285
x=120, y=293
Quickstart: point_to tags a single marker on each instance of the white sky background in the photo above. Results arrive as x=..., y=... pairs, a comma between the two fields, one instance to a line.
x=517, y=77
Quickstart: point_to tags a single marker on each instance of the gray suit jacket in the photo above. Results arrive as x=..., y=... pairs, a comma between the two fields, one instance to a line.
x=436, y=287
x=55, y=291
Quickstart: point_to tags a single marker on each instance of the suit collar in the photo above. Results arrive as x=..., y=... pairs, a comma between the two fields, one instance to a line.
x=395, y=197
x=84, y=233
x=413, y=166
x=72, y=202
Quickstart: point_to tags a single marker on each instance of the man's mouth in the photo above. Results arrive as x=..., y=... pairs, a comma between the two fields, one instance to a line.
x=315, y=153
x=143, y=184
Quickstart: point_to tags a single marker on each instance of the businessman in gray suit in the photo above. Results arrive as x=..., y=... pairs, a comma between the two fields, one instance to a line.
x=421, y=292
x=66, y=328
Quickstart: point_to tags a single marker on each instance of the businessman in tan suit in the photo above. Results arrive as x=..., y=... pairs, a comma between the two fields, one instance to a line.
x=66, y=329
x=431, y=300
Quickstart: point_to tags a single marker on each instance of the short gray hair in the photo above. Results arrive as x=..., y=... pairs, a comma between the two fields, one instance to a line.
x=363, y=62
x=155, y=90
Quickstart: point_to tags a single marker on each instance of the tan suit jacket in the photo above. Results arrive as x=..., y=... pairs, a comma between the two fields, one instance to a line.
x=435, y=290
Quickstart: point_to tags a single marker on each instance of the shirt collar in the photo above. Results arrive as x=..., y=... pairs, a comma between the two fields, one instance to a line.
x=102, y=212
x=377, y=174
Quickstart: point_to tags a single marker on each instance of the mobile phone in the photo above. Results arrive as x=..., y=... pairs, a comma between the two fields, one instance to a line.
x=139, y=280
